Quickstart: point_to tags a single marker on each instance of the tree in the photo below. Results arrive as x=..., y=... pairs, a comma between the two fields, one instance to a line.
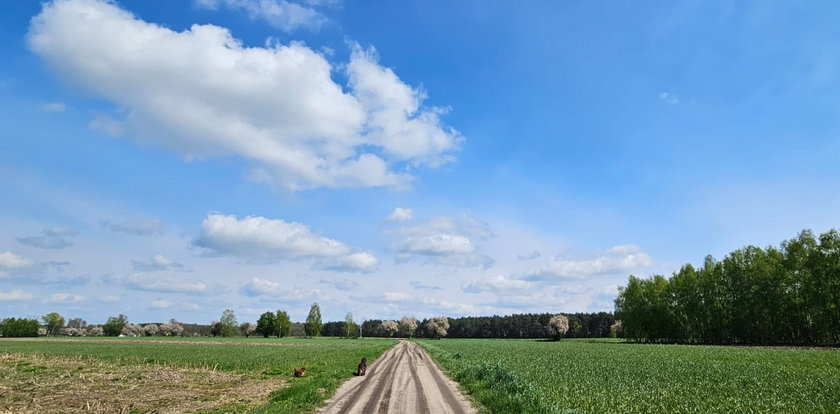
x=407, y=326
x=247, y=329
x=114, y=325
x=77, y=323
x=95, y=330
x=283, y=324
x=313, y=324
x=215, y=328
x=390, y=327
x=267, y=324
x=151, y=329
x=436, y=327
x=228, y=324
x=131, y=329
x=350, y=327
x=559, y=325
x=54, y=322
x=18, y=327
x=171, y=328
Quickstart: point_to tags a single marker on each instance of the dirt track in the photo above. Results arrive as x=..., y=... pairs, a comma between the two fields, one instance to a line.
x=403, y=380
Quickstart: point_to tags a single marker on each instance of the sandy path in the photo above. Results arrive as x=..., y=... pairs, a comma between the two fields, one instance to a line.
x=403, y=380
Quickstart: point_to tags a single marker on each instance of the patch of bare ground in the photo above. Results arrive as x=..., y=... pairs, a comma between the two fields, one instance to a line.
x=157, y=341
x=39, y=384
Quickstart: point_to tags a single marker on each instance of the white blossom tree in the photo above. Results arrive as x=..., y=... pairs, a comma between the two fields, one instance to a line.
x=558, y=325
x=171, y=329
x=131, y=329
x=151, y=329
x=390, y=327
x=437, y=327
x=408, y=324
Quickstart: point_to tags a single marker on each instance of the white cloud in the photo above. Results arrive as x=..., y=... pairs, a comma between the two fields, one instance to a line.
x=281, y=14
x=54, y=107
x=16, y=294
x=66, y=298
x=52, y=238
x=200, y=92
x=138, y=227
x=400, y=214
x=273, y=239
x=160, y=283
x=496, y=284
x=161, y=304
x=443, y=240
x=615, y=260
x=157, y=262
x=669, y=98
x=383, y=297
x=277, y=290
x=9, y=260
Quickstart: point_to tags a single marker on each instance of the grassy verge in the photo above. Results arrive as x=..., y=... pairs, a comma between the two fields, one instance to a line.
x=328, y=361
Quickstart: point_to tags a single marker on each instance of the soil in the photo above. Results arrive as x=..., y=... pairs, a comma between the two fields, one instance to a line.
x=402, y=380
x=41, y=384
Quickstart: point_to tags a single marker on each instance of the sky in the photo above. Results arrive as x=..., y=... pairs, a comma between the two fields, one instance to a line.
x=175, y=159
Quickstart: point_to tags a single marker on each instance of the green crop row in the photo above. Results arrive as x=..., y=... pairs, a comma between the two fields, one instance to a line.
x=328, y=361
x=579, y=377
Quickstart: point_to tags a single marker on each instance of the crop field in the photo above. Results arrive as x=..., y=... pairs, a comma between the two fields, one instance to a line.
x=138, y=375
x=584, y=377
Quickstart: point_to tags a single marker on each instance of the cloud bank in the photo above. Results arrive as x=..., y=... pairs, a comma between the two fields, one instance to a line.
x=202, y=93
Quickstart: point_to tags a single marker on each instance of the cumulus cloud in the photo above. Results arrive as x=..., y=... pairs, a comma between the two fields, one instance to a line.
x=277, y=290
x=52, y=238
x=202, y=93
x=496, y=284
x=9, y=261
x=615, y=260
x=273, y=240
x=66, y=298
x=280, y=14
x=444, y=240
x=16, y=294
x=155, y=263
x=161, y=283
x=400, y=214
x=138, y=227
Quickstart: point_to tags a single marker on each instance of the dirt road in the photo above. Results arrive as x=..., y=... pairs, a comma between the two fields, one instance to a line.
x=404, y=380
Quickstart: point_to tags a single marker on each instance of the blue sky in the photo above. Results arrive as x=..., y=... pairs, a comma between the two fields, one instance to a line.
x=400, y=158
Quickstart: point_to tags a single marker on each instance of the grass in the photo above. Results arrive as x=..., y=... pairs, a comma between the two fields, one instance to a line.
x=328, y=361
x=518, y=376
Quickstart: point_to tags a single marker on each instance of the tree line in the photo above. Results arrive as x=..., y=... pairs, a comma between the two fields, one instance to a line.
x=786, y=295
x=530, y=325
x=278, y=324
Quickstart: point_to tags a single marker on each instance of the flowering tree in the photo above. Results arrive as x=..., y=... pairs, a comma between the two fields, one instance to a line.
x=95, y=330
x=247, y=329
x=436, y=327
x=408, y=324
x=558, y=325
x=151, y=329
x=171, y=329
x=390, y=327
x=131, y=329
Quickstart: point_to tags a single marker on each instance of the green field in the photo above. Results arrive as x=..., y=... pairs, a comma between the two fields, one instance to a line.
x=511, y=376
x=328, y=361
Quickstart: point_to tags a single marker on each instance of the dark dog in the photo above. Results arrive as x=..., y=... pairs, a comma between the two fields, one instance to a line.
x=362, y=368
x=299, y=372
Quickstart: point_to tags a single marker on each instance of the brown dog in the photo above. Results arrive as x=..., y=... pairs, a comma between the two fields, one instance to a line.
x=299, y=372
x=362, y=368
